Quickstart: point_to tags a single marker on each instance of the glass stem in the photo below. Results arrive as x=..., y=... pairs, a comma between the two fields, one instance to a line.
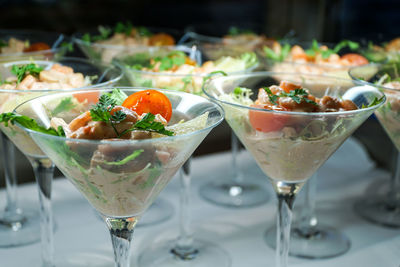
x=121, y=231
x=184, y=248
x=284, y=220
x=394, y=191
x=12, y=215
x=308, y=220
x=237, y=174
x=44, y=169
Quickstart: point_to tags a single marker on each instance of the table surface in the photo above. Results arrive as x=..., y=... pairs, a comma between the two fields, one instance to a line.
x=81, y=238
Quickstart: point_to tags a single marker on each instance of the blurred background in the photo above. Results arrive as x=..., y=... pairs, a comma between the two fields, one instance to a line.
x=304, y=20
x=326, y=20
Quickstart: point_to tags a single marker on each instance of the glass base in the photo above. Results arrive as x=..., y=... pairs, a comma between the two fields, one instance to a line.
x=25, y=231
x=88, y=259
x=163, y=255
x=378, y=210
x=323, y=242
x=160, y=211
x=231, y=194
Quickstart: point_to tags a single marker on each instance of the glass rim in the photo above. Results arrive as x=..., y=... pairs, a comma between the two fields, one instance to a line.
x=363, y=82
x=120, y=47
x=200, y=75
x=125, y=141
x=266, y=73
x=49, y=62
x=316, y=65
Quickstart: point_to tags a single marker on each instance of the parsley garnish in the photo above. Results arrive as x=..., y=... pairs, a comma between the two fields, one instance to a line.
x=143, y=31
x=233, y=31
x=272, y=98
x=29, y=123
x=4, y=82
x=24, y=70
x=315, y=48
x=123, y=28
x=281, y=56
x=125, y=160
x=147, y=123
x=65, y=105
x=102, y=112
x=175, y=58
x=68, y=46
x=298, y=95
x=374, y=102
x=186, y=81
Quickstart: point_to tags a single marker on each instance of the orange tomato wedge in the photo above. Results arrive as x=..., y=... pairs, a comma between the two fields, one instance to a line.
x=37, y=47
x=91, y=97
x=160, y=39
x=355, y=59
x=266, y=121
x=151, y=101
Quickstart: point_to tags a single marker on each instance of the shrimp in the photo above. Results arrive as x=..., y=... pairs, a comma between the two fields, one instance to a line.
x=80, y=121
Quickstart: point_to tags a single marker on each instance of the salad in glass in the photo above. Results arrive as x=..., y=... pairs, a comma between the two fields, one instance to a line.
x=18, y=45
x=317, y=59
x=109, y=42
x=175, y=70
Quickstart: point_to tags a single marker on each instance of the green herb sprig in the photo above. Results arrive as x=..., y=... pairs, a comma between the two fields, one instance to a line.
x=65, y=105
x=175, y=58
x=147, y=123
x=22, y=71
x=316, y=48
x=102, y=112
x=297, y=95
x=374, y=102
x=281, y=56
x=125, y=28
x=234, y=31
x=11, y=117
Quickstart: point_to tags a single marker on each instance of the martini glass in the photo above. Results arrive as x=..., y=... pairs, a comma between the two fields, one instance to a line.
x=291, y=154
x=42, y=166
x=309, y=237
x=121, y=193
x=383, y=208
x=21, y=226
x=232, y=190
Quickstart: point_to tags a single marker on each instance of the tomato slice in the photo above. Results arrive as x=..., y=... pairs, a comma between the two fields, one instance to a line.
x=91, y=97
x=37, y=47
x=355, y=59
x=160, y=39
x=151, y=101
x=266, y=121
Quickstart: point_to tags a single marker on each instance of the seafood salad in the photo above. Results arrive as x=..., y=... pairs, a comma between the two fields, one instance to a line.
x=119, y=178
x=113, y=41
x=318, y=59
x=34, y=77
x=236, y=35
x=28, y=81
x=289, y=147
x=14, y=45
x=177, y=71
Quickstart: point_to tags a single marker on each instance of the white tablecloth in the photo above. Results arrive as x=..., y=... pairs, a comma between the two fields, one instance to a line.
x=82, y=239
